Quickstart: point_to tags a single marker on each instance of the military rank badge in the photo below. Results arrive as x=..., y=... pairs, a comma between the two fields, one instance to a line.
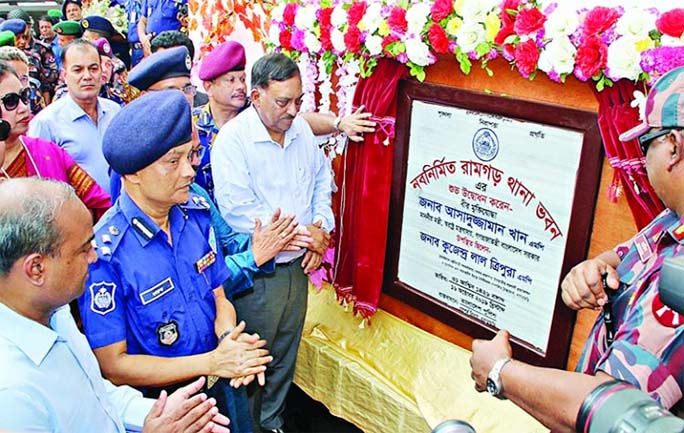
x=202, y=264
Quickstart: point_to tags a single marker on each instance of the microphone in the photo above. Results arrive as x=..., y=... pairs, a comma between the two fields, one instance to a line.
x=671, y=284
x=453, y=426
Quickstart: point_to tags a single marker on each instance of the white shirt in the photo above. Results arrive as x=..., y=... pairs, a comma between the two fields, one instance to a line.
x=50, y=381
x=254, y=175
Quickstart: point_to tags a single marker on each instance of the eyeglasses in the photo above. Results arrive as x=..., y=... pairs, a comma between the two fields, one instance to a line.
x=11, y=100
x=197, y=152
x=645, y=140
x=189, y=89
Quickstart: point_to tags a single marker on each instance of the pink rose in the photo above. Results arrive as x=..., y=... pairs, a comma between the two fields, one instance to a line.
x=528, y=21
x=526, y=57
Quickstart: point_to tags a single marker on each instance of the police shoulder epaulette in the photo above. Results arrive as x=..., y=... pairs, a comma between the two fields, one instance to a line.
x=108, y=235
x=196, y=201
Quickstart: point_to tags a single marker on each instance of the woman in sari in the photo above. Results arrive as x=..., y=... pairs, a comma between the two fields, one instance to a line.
x=22, y=156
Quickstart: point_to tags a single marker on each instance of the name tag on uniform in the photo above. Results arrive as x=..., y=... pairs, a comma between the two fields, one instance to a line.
x=157, y=291
x=207, y=260
x=643, y=248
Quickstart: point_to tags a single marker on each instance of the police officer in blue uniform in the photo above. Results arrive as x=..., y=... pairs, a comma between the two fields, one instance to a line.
x=154, y=309
x=245, y=255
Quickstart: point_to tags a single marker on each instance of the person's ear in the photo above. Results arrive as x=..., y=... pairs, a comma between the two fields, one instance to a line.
x=677, y=143
x=255, y=96
x=34, y=267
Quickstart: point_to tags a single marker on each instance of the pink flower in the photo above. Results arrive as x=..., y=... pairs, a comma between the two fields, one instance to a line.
x=289, y=14
x=356, y=12
x=591, y=58
x=441, y=9
x=599, y=19
x=438, y=39
x=529, y=20
x=671, y=23
x=526, y=57
x=297, y=40
x=397, y=20
x=352, y=39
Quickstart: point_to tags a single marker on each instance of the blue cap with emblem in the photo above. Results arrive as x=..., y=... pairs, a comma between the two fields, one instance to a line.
x=169, y=63
x=15, y=25
x=98, y=24
x=130, y=144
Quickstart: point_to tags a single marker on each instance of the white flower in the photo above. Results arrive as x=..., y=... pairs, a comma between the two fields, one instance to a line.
x=372, y=18
x=337, y=39
x=274, y=34
x=305, y=17
x=338, y=18
x=374, y=45
x=277, y=12
x=561, y=22
x=476, y=10
x=416, y=17
x=558, y=55
x=671, y=41
x=635, y=23
x=623, y=59
x=312, y=42
x=418, y=52
x=470, y=35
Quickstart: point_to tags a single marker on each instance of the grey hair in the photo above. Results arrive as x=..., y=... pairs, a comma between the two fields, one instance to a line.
x=272, y=67
x=13, y=53
x=28, y=222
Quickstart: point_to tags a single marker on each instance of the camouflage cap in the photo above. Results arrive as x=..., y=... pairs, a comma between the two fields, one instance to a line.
x=664, y=105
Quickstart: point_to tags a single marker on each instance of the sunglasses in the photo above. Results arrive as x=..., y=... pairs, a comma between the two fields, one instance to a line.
x=11, y=100
x=645, y=140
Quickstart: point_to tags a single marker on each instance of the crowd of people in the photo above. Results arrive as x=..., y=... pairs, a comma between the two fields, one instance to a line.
x=183, y=223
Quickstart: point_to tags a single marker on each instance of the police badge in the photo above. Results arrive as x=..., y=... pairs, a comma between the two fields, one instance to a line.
x=168, y=333
x=102, y=297
x=485, y=144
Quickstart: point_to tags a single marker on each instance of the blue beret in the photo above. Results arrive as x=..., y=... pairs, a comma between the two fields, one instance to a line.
x=15, y=25
x=168, y=63
x=229, y=56
x=98, y=24
x=66, y=2
x=131, y=143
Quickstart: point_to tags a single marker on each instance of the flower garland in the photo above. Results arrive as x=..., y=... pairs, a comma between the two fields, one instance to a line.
x=602, y=44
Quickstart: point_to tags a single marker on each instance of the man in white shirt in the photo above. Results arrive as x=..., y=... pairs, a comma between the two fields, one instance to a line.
x=49, y=379
x=264, y=159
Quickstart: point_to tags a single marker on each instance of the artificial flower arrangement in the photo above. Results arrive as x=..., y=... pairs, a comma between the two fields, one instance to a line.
x=602, y=44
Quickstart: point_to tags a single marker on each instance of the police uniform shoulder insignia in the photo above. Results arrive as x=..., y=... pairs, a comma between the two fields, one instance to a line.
x=113, y=230
x=106, y=239
x=102, y=297
x=168, y=333
x=142, y=228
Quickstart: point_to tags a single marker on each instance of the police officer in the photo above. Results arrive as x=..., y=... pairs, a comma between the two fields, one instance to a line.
x=245, y=255
x=154, y=309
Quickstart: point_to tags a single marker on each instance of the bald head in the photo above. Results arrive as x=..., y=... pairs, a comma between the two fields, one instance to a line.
x=28, y=218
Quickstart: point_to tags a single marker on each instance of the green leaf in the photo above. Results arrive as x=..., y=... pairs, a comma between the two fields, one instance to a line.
x=396, y=48
x=511, y=39
x=482, y=49
x=416, y=71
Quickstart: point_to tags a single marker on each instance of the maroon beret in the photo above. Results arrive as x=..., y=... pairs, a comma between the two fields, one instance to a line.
x=229, y=56
x=103, y=47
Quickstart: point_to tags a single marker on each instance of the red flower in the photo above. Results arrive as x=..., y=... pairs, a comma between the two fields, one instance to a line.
x=526, y=57
x=591, y=57
x=441, y=9
x=529, y=20
x=506, y=6
x=289, y=13
x=352, y=39
x=671, y=23
x=356, y=12
x=599, y=19
x=397, y=20
x=505, y=32
x=285, y=39
x=324, y=15
x=438, y=39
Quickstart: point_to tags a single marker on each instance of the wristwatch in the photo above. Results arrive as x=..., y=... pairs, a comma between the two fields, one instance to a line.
x=494, y=385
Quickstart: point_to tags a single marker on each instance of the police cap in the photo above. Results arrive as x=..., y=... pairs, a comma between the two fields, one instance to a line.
x=14, y=25
x=130, y=143
x=168, y=63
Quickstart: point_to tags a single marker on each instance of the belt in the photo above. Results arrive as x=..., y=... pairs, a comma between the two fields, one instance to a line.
x=136, y=45
x=291, y=262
